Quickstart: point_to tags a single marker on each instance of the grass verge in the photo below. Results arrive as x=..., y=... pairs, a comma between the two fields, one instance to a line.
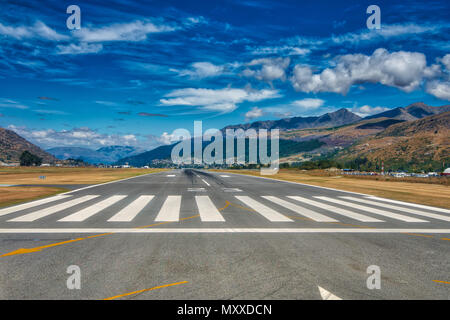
x=14, y=195
x=60, y=175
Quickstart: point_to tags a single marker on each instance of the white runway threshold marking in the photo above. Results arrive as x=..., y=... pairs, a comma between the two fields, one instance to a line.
x=207, y=210
x=371, y=210
x=170, y=175
x=266, y=212
x=408, y=210
x=221, y=230
x=170, y=211
x=224, y=176
x=132, y=210
x=31, y=204
x=410, y=204
x=91, y=210
x=344, y=212
x=300, y=210
x=48, y=211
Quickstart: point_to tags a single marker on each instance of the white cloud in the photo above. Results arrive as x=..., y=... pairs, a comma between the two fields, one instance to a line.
x=37, y=30
x=386, y=32
x=308, y=103
x=132, y=31
x=202, y=70
x=445, y=60
x=82, y=48
x=438, y=89
x=367, y=110
x=401, y=69
x=281, y=50
x=223, y=100
x=270, y=69
x=166, y=138
x=8, y=103
x=253, y=113
x=85, y=137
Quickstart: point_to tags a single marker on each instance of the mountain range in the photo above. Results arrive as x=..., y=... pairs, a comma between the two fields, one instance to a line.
x=105, y=155
x=333, y=132
x=342, y=133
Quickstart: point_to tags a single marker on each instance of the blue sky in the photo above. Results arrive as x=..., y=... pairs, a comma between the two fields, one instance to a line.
x=137, y=70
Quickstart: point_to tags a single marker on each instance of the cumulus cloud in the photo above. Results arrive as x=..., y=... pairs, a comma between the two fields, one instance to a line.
x=308, y=103
x=438, y=89
x=440, y=86
x=132, y=31
x=367, y=110
x=253, y=113
x=83, y=136
x=222, y=100
x=202, y=70
x=269, y=69
x=401, y=69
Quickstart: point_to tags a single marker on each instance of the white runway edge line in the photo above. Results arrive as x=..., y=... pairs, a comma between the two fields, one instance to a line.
x=170, y=210
x=266, y=212
x=221, y=230
x=207, y=210
x=410, y=204
x=408, y=210
x=206, y=182
x=31, y=204
x=371, y=210
x=344, y=212
x=93, y=209
x=300, y=210
x=132, y=210
x=48, y=211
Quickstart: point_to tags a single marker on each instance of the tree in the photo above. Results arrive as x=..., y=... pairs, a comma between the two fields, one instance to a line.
x=29, y=159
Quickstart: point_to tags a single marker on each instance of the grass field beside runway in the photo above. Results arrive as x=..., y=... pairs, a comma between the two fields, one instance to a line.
x=437, y=195
x=55, y=176
x=14, y=195
x=62, y=175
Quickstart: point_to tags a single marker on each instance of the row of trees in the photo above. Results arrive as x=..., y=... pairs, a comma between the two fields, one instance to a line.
x=28, y=159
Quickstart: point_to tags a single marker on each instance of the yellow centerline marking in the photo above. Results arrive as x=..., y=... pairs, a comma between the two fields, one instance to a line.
x=440, y=281
x=144, y=290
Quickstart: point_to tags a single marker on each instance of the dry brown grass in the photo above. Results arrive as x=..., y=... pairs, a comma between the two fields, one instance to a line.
x=60, y=175
x=13, y=195
x=423, y=193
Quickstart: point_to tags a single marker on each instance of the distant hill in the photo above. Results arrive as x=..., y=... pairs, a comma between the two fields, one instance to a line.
x=286, y=148
x=12, y=145
x=332, y=119
x=421, y=141
x=414, y=111
x=106, y=155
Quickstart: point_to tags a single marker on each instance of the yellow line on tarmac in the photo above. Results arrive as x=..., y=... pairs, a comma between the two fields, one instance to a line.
x=37, y=249
x=440, y=281
x=144, y=290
